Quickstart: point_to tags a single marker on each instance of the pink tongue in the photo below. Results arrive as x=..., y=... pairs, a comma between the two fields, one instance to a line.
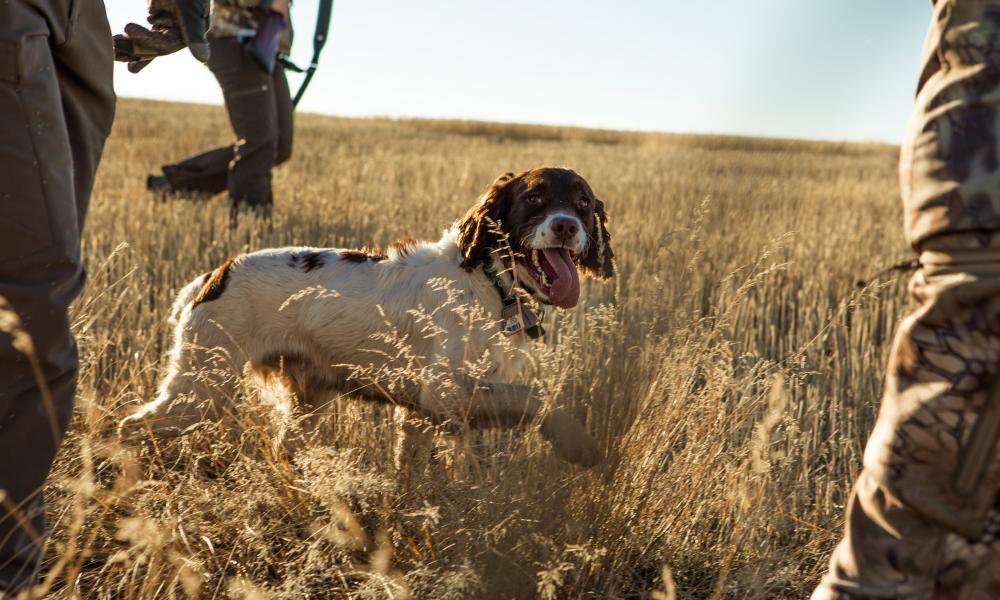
x=565, y=290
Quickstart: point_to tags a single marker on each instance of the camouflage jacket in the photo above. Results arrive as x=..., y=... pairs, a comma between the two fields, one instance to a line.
x=950, y=160
x=230, y=17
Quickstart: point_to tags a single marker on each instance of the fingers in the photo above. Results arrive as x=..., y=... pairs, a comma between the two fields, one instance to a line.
x=155, y=42
x=124, y=52
x=137, y=65
x=174, y=24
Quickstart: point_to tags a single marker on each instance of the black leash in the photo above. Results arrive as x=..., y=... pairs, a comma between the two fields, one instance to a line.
x=902, y=267
x=319, y=40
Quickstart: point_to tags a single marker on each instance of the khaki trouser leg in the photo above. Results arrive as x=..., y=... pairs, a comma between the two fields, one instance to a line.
x=56, y=108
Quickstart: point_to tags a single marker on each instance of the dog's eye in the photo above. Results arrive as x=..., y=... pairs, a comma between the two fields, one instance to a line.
x=584, y=202
x=533, y=199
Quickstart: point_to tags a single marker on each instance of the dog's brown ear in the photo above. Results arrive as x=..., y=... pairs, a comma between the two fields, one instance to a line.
x=477, y=235
x=599, y=261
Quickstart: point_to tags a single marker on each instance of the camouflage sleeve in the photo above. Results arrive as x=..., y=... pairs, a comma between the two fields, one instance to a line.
x=949, y=164
x=230, y=17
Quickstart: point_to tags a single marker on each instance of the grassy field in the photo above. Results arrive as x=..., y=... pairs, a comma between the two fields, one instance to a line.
x=730, y=372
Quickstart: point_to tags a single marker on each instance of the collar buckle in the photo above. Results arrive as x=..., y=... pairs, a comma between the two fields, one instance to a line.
x=516, y=316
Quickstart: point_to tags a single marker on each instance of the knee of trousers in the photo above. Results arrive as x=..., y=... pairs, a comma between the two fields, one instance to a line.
x=40, y=295
x=261, y=145
x=888, y=550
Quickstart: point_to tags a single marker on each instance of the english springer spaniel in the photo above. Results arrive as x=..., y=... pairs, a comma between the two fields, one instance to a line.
x=398, y=326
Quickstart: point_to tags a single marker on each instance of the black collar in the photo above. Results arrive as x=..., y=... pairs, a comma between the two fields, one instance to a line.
x=516, y=314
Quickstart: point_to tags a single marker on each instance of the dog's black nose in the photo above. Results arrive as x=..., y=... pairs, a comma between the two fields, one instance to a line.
x=564, y=228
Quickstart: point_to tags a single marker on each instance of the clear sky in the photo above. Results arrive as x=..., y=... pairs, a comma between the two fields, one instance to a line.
x=843, y=69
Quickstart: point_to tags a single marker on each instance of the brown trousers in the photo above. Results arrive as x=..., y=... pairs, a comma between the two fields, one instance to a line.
x=56, y=108
x=260, y=110
x=921, y=524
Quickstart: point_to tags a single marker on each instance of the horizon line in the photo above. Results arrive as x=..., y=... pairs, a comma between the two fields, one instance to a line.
x=701, y=133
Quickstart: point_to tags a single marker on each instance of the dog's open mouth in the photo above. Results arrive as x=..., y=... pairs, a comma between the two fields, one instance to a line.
x=555, y=274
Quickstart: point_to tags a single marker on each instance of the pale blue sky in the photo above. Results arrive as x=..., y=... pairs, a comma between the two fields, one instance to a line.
x=843, y=69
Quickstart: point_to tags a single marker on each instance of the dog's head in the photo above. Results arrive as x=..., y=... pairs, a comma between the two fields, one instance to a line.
x=553, y=223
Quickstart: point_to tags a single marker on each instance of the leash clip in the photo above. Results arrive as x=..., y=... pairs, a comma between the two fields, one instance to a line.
x=517, y=318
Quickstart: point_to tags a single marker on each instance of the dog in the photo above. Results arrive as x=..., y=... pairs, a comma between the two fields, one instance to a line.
x=329, y=321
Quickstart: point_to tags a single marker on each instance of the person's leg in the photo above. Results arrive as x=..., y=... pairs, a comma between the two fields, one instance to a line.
x=250, y=101
x=57, y=102
x=911, y=531
x=259, y=123
x=921, y=522
x=84, y=68
x=208, y=172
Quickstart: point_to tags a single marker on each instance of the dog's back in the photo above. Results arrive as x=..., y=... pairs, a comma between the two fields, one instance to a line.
x=306, y=312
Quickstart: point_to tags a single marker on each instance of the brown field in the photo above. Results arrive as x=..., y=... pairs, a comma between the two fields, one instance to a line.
x=730, y=372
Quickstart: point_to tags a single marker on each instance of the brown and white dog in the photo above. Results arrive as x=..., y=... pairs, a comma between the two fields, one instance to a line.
x=310, y=317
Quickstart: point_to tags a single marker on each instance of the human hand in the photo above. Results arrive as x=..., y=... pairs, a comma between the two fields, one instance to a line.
x=175, y=24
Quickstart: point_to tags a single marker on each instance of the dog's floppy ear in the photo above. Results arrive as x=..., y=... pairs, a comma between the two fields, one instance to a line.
x=599, y=260
x=476, y=233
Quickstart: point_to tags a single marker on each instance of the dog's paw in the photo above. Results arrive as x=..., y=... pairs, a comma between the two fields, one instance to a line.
x=163, y=418
x=570, y=440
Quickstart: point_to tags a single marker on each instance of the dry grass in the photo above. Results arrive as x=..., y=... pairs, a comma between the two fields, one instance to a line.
x=731, y=373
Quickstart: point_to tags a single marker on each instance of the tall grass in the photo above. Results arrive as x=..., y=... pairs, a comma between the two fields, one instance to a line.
x=730, y=372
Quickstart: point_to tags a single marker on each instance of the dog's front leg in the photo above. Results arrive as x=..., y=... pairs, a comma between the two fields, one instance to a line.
x=413, y=445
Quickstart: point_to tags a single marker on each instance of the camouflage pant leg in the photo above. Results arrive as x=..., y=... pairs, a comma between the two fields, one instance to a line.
x=909, y=534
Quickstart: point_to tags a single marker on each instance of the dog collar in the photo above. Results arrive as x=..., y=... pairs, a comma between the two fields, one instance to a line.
x=516, y=315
